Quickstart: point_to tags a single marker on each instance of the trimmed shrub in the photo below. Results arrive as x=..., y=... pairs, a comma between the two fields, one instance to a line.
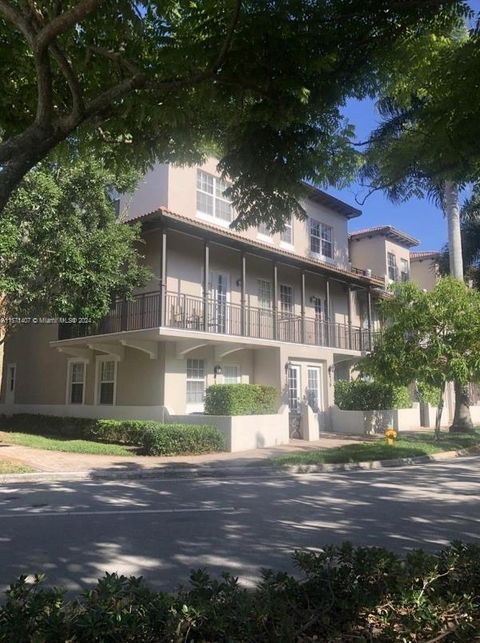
x=154, y=438
x=360, y=395
x=342, y=593
x=428, y=393
x=181, y=439
x=240, y=399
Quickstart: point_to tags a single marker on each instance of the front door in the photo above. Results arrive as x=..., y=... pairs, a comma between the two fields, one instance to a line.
x=10, y=390
x=314, y=393
x=219, y=289
x=294, y=400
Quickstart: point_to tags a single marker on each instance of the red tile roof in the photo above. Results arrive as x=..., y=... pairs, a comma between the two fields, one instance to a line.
x=388, y=231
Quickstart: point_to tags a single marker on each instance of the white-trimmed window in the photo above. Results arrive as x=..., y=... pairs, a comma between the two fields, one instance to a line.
x=106, y=381
x=286, y=299
x=264, y=294
x=321, y=238
x=287, y=234
x=231, y=374
x=392, y=266
x=404, y=270
x=210, y=197
x=76, y=382
x=264, y=231
x=195, y=382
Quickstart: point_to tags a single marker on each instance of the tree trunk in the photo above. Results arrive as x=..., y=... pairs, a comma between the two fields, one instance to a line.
x=438, y=416
x=452, y=212
x=462, y=420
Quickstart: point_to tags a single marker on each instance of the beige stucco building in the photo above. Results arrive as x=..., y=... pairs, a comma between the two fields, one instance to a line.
x=289, y=310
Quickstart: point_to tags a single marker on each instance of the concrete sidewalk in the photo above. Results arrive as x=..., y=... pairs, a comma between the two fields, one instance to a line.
x=59, y=462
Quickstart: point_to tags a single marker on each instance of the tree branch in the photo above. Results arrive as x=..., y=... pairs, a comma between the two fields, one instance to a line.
x=66, y=68
x=18, y=20
x=65, y=21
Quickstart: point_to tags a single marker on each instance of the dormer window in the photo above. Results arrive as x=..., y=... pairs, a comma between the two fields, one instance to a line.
x=211, y=201
x=321, y=239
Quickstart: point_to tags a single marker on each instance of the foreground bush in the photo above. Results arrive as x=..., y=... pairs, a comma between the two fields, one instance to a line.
x=181, y=439
x=154, y=438
x=360, y=395
x=343, y=595
x=240, y=399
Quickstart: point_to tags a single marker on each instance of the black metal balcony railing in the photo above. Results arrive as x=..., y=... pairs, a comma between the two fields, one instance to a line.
x=187, y=312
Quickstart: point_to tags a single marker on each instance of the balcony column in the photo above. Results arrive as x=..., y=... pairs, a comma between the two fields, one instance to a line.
x=349, y=301
x=206, y=272
x=243, y=297
x=275, y=300
x=163, y=278
x=369, y=317
x=327, y=316
x=302, y=306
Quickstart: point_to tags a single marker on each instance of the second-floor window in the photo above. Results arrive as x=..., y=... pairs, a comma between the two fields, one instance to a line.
x=286, y=299
x=321, y=239
x=210, y=197
x=404, y=270
x=392, y=266
x=263, y=230
x=264, y=294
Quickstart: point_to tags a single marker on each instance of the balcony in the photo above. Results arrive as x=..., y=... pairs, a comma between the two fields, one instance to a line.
x=220, y=317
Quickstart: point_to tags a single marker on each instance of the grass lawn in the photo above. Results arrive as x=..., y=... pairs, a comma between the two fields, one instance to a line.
x=11, y=466
x=410, y=445
x=68, y=446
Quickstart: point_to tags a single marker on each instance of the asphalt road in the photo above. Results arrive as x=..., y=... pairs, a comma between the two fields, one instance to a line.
x=162, y=529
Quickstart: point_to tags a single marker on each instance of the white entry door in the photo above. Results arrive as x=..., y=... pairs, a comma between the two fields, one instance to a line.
x=314, y=392
x=219, y=294
x=294, y=388
x=10, y=390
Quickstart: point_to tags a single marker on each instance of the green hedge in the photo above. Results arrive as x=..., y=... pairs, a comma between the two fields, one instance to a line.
x=339, y=594
x=360, y=395
x=153, y=438
x=240, y=399
x=428, y=393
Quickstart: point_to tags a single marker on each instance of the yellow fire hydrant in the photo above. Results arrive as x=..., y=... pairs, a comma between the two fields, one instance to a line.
x=390, y=435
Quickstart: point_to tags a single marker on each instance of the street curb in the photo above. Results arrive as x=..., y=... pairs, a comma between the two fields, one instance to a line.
x=169, y=472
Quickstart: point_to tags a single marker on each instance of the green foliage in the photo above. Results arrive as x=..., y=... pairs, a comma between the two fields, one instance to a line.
x=341, y=593
x=181, y=439
x=431, y=337
x=240, y=399
x=62, y=252
x=428, y=101
x=162, y=81
x=361, y=395
x=428, y=393
x=153, y=438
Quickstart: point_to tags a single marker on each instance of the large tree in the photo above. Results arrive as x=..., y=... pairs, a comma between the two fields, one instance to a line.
x=261, y=82
x=63, y=251
x=426, y=144
x=429, y=337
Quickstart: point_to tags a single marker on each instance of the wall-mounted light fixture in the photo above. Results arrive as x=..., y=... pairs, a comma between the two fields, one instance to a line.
x=217, y=370
x=287, y=366
x=313, y=299
x=239, y=282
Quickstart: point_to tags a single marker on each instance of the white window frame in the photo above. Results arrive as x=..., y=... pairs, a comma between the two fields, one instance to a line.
x=292, y=293
x=284, y=242
x=195, y=407
x=322, y=227
x=71, y=361
x=206, y=215
x=105, y=358
x=263, y=233
x=239, y=373
x=404, y=263
x=260, y=292
x=392, y=265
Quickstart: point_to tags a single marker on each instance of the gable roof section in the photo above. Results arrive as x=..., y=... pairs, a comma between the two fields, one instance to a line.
x=388, y=231
x=426, y=254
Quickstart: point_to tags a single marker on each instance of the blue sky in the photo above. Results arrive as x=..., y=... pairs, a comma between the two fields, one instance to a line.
x=418, y=217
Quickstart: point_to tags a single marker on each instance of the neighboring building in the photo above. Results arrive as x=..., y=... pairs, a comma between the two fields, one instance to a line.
x=286, y=309
x=424, y=268
x=384, y=250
